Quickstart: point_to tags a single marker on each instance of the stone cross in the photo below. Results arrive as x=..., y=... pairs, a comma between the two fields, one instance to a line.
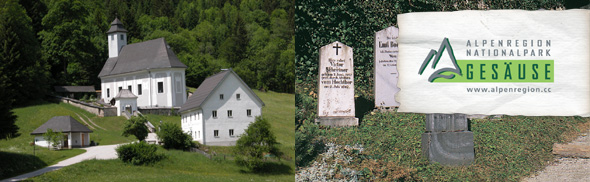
x=336, y=86
x=385, y=67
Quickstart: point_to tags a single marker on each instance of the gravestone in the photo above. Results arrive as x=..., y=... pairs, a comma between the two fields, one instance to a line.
x=385, y=68
x=336, y=86
x=447, y=140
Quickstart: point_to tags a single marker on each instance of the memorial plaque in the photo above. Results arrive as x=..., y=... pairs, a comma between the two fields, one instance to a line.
x=385, y=67
x=336, y=86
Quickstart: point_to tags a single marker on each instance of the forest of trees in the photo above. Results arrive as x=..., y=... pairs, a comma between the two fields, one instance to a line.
x=64, y=42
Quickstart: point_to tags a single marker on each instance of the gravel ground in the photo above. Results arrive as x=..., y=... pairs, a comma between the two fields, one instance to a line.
x=329, y=166
x=566, y=169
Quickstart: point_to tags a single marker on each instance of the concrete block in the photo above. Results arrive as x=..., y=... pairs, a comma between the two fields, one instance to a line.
x=449, y=148
x=446, y=122
x=337, y=121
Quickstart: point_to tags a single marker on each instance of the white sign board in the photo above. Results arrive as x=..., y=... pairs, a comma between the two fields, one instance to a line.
x=510, y=62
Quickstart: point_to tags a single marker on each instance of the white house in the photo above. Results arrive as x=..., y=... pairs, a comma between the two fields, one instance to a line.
x=149, y=69
x=75, y=133
x=220, y=109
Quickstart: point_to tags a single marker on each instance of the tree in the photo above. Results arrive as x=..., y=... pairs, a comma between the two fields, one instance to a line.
x=67, y=45
x=53, y=138
x=173, y=137
x=257, y=141
x=136, y=126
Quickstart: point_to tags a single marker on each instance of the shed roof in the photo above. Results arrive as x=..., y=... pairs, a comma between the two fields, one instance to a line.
x=70, y=89
x=63, y=124
x=151, y=54
x=116, y=26
x=207, y=87
x=124, y=94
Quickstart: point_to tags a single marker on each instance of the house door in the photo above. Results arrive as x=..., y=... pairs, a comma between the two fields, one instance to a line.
x=82, y=139
x=65, y=141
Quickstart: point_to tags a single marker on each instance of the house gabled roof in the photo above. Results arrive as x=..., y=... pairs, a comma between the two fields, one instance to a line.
x=124, y=94
x=62, y=124
x=72, y=89
x=151, y=54
x=116, y=26
x=208, y=87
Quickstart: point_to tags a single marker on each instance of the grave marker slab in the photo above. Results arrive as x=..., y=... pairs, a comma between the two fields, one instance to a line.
x=447, y=140
x=336, y=86
x=385, y=67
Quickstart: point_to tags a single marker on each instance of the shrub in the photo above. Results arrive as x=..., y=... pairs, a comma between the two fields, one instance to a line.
x=136, y=126
x=173, y=137
x=139, y=153
x=53, y=137
x=256, y=142
x=307, y=144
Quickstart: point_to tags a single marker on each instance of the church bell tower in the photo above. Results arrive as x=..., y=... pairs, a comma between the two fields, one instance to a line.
x=117, y=37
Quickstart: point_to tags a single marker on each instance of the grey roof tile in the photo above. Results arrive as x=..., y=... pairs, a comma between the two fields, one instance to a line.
x=125, y=93
x=116, y=26
x=70, y=89
x=207, y=87
x=63, y=124
x=151, y=54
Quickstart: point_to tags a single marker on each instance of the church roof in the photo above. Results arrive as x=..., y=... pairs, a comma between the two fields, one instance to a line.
x=207, y=87
x=62, y=124
x=151, y=54
x=125, y=93
x=116, y=26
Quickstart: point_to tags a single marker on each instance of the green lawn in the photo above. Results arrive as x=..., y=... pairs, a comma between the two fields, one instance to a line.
x=506, y=149
x=178, y=166
x=186, y=166
x=16, y=150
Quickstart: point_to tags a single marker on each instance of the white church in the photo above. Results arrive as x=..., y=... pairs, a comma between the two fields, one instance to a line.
x=149, y=70
x=220, y=110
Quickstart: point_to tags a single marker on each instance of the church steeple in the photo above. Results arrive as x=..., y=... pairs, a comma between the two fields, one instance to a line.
x=117, y=38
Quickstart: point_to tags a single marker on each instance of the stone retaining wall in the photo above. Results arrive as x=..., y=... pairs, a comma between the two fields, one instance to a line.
x=99, y=111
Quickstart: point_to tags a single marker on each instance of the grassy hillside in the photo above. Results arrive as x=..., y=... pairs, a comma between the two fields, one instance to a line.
x=186, y=166
x=16, y=150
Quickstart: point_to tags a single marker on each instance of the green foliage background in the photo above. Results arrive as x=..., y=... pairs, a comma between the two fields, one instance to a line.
x=354, y=23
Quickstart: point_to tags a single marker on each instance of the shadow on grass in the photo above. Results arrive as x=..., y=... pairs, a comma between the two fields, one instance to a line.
x=362, y=107
x=13, y=164
x=272, y=168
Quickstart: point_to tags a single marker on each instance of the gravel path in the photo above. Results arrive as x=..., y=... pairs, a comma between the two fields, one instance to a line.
x=566, y=169
x=96, y=152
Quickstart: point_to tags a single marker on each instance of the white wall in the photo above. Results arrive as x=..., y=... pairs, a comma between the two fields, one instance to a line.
x=149, y=84
x=239, y=121
x=192, y=123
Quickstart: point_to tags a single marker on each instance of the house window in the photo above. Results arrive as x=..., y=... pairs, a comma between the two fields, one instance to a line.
x=214, y=113
x=178, y=85
x=120, y=88
x=229, y=113
x=129, y=87
x=198, y=134
x=112, y=37
x=160, y=87
x=220, y=96
x=139, y=89
x=249, y=112
x=238, y=96
x=231, y=132
x=216, y=133
x=122, y=36
x=108, y=92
